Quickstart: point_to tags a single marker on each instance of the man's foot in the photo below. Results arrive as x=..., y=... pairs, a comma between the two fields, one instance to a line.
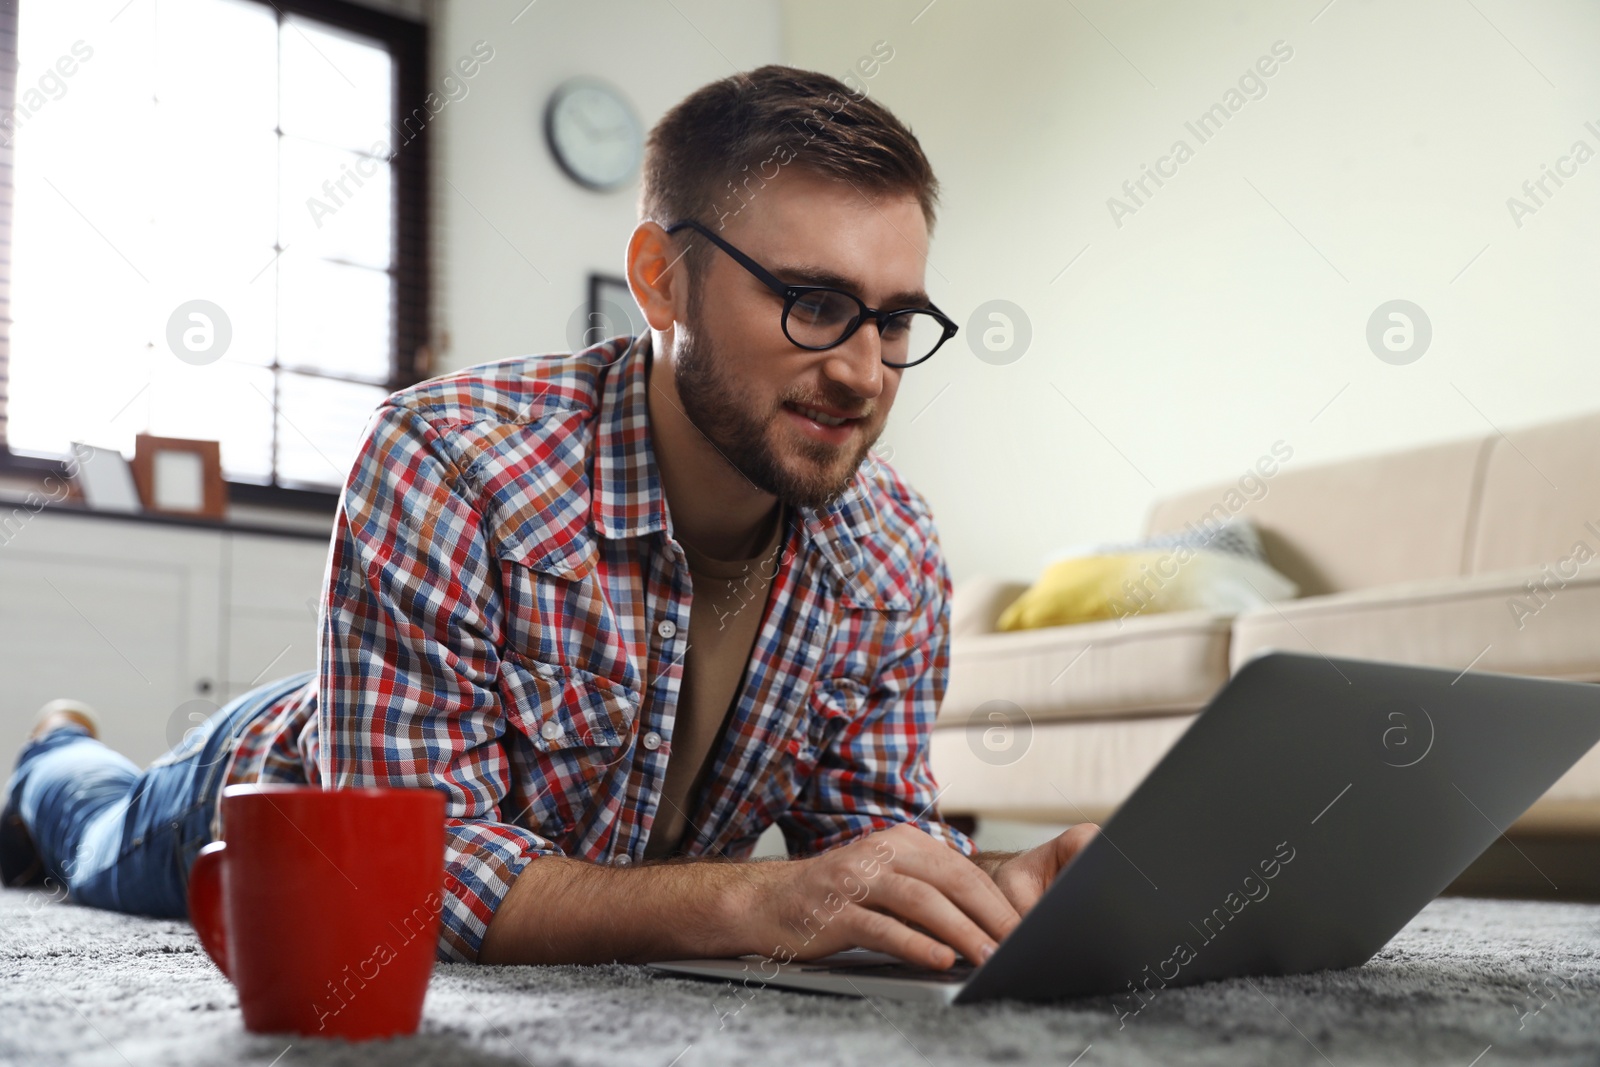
x=20, y=864
x=58, y=713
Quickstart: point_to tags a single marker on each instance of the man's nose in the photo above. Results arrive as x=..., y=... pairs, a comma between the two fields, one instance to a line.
x=857, y=364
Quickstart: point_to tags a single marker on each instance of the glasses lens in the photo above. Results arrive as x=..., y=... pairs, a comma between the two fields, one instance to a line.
x=820, y=318
x=911, y=337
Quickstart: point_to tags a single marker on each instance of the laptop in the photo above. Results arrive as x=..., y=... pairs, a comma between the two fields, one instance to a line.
x=1310, y=811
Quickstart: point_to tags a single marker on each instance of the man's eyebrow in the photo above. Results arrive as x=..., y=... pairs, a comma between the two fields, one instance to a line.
x=802, y=275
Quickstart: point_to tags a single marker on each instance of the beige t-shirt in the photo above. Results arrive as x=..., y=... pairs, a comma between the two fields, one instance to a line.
x=725, y=612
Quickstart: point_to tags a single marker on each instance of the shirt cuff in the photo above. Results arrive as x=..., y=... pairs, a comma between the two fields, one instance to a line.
x=482, y=859
x=950, y=836
x=854, y=827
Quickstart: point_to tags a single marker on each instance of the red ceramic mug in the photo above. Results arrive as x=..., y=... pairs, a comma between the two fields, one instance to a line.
x=322, y=906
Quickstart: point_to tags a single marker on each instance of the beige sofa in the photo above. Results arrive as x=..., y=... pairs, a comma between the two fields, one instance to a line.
x=1420, y=556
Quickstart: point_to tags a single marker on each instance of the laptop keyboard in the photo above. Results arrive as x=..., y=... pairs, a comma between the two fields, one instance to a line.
x=960, y=971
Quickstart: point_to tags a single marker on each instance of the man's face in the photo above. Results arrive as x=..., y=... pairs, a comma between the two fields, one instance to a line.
x=746, y=386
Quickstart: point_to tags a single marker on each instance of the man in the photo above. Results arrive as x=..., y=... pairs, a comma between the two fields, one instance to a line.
x=629, y=607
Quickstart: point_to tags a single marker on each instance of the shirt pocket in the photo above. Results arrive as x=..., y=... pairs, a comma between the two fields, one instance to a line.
x=576, y=736
x=559, y=624
x=564, y=710
x=834, y=704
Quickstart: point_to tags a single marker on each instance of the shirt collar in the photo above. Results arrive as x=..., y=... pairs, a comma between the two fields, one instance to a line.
x=628, y=499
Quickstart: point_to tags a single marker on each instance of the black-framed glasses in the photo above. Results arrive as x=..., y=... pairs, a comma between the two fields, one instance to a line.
x=818, y=317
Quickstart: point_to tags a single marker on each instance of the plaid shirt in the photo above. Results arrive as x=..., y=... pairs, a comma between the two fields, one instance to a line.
x=505, y=617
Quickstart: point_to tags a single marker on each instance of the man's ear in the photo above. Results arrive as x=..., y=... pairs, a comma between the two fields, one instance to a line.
x=657, y=276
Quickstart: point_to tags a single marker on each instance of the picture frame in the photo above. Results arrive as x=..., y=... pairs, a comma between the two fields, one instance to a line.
x=612, y=310
x=103, y=480
x=178, y=476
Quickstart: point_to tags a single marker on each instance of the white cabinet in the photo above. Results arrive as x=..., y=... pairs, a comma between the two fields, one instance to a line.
x=154, y=624
x=274, y=585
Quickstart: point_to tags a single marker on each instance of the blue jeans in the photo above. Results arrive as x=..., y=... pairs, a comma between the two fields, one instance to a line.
x=120, y=838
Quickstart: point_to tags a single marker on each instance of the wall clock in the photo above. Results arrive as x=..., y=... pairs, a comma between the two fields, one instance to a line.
x=593, y=133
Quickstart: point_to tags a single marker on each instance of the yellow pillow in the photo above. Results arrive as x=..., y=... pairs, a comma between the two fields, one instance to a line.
x=1116, y=585
x=1082, y=589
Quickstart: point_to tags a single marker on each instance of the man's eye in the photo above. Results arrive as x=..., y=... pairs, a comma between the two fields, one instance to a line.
x=809, y=305
x=824, y=308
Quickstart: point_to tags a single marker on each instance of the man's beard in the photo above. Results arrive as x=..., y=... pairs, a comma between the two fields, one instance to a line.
x=716, y=404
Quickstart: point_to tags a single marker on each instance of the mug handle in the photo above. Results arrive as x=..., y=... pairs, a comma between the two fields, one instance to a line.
x=205, y=903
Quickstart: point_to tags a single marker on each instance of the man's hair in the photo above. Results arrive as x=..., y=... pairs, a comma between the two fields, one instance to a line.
x=713, y=153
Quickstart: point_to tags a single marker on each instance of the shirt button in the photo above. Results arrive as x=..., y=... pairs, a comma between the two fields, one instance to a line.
x=651, y=740
x=550, y=730
x=666, y=627
x=622, y=860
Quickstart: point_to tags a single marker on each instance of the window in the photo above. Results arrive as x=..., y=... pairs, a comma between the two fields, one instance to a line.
x=217, y=229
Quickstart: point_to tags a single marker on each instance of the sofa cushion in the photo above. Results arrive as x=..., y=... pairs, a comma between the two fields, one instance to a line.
x=1541, y=497
x=1497, y=622
x=1156, y=663
x=1355, y=524
x=976, y=603
x=1060, y=772
x=1119, y=585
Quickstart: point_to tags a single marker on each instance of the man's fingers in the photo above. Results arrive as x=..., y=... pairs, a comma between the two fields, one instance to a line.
x=914, y=901
x=882, y=932
x=1070, y=842
x=963, y=882
x=1025, y=879
x=924, y=903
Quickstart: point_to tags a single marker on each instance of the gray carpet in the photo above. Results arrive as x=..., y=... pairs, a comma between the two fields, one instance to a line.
x=1459, y=986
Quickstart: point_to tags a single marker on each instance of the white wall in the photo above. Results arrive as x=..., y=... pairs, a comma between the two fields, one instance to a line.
x=1208, y=325
x=1222, y=316
x=514, y=238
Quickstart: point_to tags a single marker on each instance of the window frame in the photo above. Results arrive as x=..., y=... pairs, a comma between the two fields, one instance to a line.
x=407, y=42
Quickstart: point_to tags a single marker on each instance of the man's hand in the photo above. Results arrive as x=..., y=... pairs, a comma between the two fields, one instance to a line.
x=898, y=891
x=1024, y=876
